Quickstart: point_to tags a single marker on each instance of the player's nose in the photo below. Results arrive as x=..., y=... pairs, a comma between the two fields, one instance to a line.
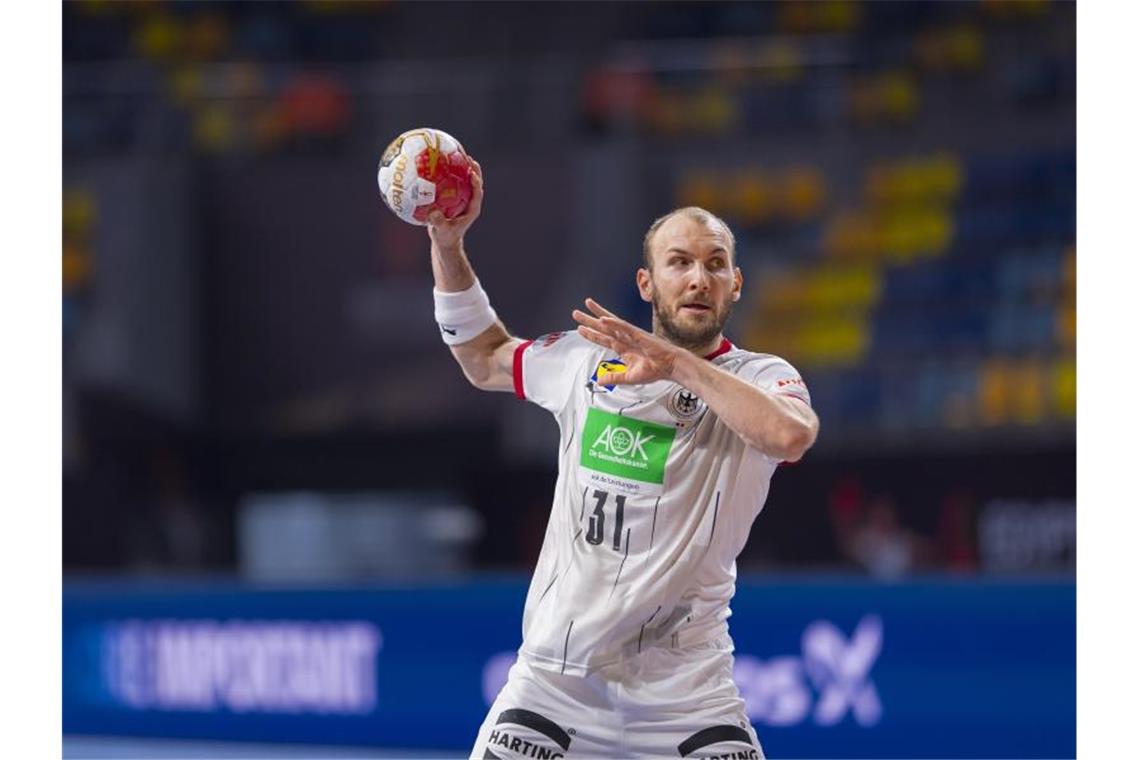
x=699, y=279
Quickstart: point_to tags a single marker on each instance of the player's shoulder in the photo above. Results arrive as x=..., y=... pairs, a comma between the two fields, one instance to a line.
x=766, y=370
x=738, y=360
x=567, y=341
x=560, y=351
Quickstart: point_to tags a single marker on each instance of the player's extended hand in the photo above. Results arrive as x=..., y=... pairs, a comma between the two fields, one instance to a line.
x=647, y=358
x=448, y=233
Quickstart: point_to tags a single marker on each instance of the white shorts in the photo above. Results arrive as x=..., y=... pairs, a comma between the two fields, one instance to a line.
x=663, y=703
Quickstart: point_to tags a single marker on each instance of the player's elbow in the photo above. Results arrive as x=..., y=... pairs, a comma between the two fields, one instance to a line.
x=488, y=384
x=482, y=373
x=475, y=364
x=480, y=377
x=795, y=438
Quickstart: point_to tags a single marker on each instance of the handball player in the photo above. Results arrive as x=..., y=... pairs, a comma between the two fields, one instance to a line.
x=668, y=442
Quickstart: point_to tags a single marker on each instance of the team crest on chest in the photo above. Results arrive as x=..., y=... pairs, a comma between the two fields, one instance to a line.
x=684, y=405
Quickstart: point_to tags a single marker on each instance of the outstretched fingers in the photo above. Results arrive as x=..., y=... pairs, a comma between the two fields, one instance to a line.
x=588, y=320
x=603, y=340
x=600, y=310
x=620, y=329
x=613, y=327
x=610, y=321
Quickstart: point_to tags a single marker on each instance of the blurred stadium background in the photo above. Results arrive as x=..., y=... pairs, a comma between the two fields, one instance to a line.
x=287, y=518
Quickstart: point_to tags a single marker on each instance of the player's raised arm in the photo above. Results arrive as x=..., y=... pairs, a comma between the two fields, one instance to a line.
x=779, y=426
x=467, y=323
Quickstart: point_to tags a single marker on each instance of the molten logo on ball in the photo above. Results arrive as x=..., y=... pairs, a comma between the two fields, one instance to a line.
x=425, y=170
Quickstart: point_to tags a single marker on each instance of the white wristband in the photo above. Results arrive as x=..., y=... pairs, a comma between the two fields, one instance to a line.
x=463, y=315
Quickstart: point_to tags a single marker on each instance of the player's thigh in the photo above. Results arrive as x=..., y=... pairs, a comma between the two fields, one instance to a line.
x=705, y=729
x=689, y=706
x=721, y=736
x=542, y=715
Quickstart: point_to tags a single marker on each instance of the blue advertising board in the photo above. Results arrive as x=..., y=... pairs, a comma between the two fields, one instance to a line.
x=827, y=667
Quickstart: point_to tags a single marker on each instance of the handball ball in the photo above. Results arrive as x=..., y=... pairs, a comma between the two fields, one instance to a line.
x=425, y=170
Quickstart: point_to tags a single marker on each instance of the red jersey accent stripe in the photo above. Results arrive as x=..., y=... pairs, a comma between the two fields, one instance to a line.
x=724, y=347
x=517, y=368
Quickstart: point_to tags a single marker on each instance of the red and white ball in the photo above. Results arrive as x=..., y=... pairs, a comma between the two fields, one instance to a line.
x=424, y=170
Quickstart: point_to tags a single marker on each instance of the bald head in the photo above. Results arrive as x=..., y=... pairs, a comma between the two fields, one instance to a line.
x=693, y=214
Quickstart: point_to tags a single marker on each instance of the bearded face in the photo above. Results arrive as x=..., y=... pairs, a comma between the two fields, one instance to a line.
x=692, y=283
x=691, y=324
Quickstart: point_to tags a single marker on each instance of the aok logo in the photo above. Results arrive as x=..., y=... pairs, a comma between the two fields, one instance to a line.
x=625, y=448
x=622, y=442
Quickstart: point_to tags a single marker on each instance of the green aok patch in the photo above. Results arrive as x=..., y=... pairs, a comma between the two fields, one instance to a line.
x=626, y=447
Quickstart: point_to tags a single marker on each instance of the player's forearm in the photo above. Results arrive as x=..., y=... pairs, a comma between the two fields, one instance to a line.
x=780, y=427
x=450, y=268
x=486, y=358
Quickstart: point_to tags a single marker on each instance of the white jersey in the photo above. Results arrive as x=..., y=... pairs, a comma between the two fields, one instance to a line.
x=654, y=501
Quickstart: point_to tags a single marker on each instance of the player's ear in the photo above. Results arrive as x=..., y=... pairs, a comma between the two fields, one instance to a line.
x=645, y=284
x=737, y=283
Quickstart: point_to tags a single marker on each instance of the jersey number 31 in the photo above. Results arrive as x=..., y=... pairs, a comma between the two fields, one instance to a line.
x=597, y=528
